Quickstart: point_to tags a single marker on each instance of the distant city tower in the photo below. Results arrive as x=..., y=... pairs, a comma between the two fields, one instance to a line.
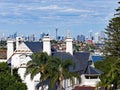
x=56, y=33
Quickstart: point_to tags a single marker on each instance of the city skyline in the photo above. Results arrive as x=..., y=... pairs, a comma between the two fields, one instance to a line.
x=36, y=16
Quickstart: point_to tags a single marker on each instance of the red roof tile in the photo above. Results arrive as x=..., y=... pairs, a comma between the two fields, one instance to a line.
x=3, y=54
x=84, y=88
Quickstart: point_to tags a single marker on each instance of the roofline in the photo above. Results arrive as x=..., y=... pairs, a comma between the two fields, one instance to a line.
x=92, y=74
x=18, y=53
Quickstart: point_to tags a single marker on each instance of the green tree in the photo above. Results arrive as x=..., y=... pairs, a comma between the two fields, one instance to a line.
x=59, y=70
x=50, y=68
x=37, y=65
x=8, y=81
x=111, y=75
x=114, y=74
x=113, y=32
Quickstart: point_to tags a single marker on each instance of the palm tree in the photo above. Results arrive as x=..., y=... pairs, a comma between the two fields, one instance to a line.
x=37, y=65
x=59, y=71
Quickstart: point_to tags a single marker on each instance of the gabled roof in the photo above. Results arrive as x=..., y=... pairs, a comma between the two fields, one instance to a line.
x=92, y=70
x=81, y=61
x=35, y=46
x=80, y=58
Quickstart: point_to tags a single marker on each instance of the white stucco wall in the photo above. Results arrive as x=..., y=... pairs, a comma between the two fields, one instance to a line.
x=26, y=79
x=10, y=48
x=69, y=46
x=89, y=82
x=67, y=84
x=15, y=62
x=47, y=45
x=23, y=46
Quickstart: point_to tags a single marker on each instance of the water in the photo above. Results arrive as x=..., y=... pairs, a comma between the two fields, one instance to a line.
x=97, y=58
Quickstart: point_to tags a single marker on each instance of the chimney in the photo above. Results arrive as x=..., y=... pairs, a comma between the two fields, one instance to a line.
x=47, y=45
x=69, y=45
x=19, y=40
x=10, y=48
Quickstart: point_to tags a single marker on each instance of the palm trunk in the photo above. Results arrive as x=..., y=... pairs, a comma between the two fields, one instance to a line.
x=60, y=84
x=42, y=85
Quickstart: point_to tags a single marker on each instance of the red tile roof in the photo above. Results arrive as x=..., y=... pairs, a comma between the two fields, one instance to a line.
x=84, y=88
x=3, y=54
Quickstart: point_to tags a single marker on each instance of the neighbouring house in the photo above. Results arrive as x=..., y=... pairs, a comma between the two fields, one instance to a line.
x=19, y=56
x=3, y=55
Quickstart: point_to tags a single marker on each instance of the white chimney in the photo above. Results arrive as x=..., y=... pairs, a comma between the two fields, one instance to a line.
x=10, y=48
x=19, y=40
x=69, y=45
x=47, y=45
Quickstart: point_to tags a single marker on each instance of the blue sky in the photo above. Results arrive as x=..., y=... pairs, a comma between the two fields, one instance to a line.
x=35, y=16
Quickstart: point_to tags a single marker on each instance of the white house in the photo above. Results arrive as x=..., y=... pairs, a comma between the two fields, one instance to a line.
x=19, y=56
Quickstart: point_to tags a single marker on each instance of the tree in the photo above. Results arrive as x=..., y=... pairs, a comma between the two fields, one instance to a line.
x=110, y=66
x=37, y=65
x=113, y=33
x=8, y=81
x=50, y=68
x=114, y=74
x=59, y=71
x=113, y=48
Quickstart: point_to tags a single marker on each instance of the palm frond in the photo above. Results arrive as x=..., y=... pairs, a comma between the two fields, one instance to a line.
x=68, y=63
x=30, y=67
x=44, y=76
x=53, y=81
x=34, y=72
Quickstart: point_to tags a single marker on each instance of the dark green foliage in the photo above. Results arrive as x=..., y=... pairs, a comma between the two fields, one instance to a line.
x=37, y=65
x=111, y=65
x=8, y=81
x=111, y=68
x=104, y=65
x=113, y=33
x=3, y=44
x=59, y=70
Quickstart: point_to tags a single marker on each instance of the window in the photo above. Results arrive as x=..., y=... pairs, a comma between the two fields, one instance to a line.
x=91, y=77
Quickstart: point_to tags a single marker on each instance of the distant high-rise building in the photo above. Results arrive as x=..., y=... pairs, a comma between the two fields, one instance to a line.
x=31, y=37
x=90, y=35
x=78, y=38
x=102, y=36
x=82, y=38
x=56, y=33
x=62, y=38
x=96, y=38
x=15, y=35
x=3, y=37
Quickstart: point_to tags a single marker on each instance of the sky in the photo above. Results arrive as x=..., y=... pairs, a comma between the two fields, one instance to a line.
x=78, y=17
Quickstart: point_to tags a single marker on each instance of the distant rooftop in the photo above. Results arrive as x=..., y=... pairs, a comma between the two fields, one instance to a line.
x=3, y=54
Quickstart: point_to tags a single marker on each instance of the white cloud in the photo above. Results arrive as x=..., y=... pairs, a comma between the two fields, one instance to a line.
x=50, y=7
x=75, y=10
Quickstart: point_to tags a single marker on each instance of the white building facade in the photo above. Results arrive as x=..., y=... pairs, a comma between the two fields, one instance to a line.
x=21, y=55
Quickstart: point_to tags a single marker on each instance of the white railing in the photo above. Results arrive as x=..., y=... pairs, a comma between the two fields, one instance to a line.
x=90, y=82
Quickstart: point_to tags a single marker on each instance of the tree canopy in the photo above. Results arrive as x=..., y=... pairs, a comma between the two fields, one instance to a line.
x=8, y=81
x=111, y=65
x=112, y=45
